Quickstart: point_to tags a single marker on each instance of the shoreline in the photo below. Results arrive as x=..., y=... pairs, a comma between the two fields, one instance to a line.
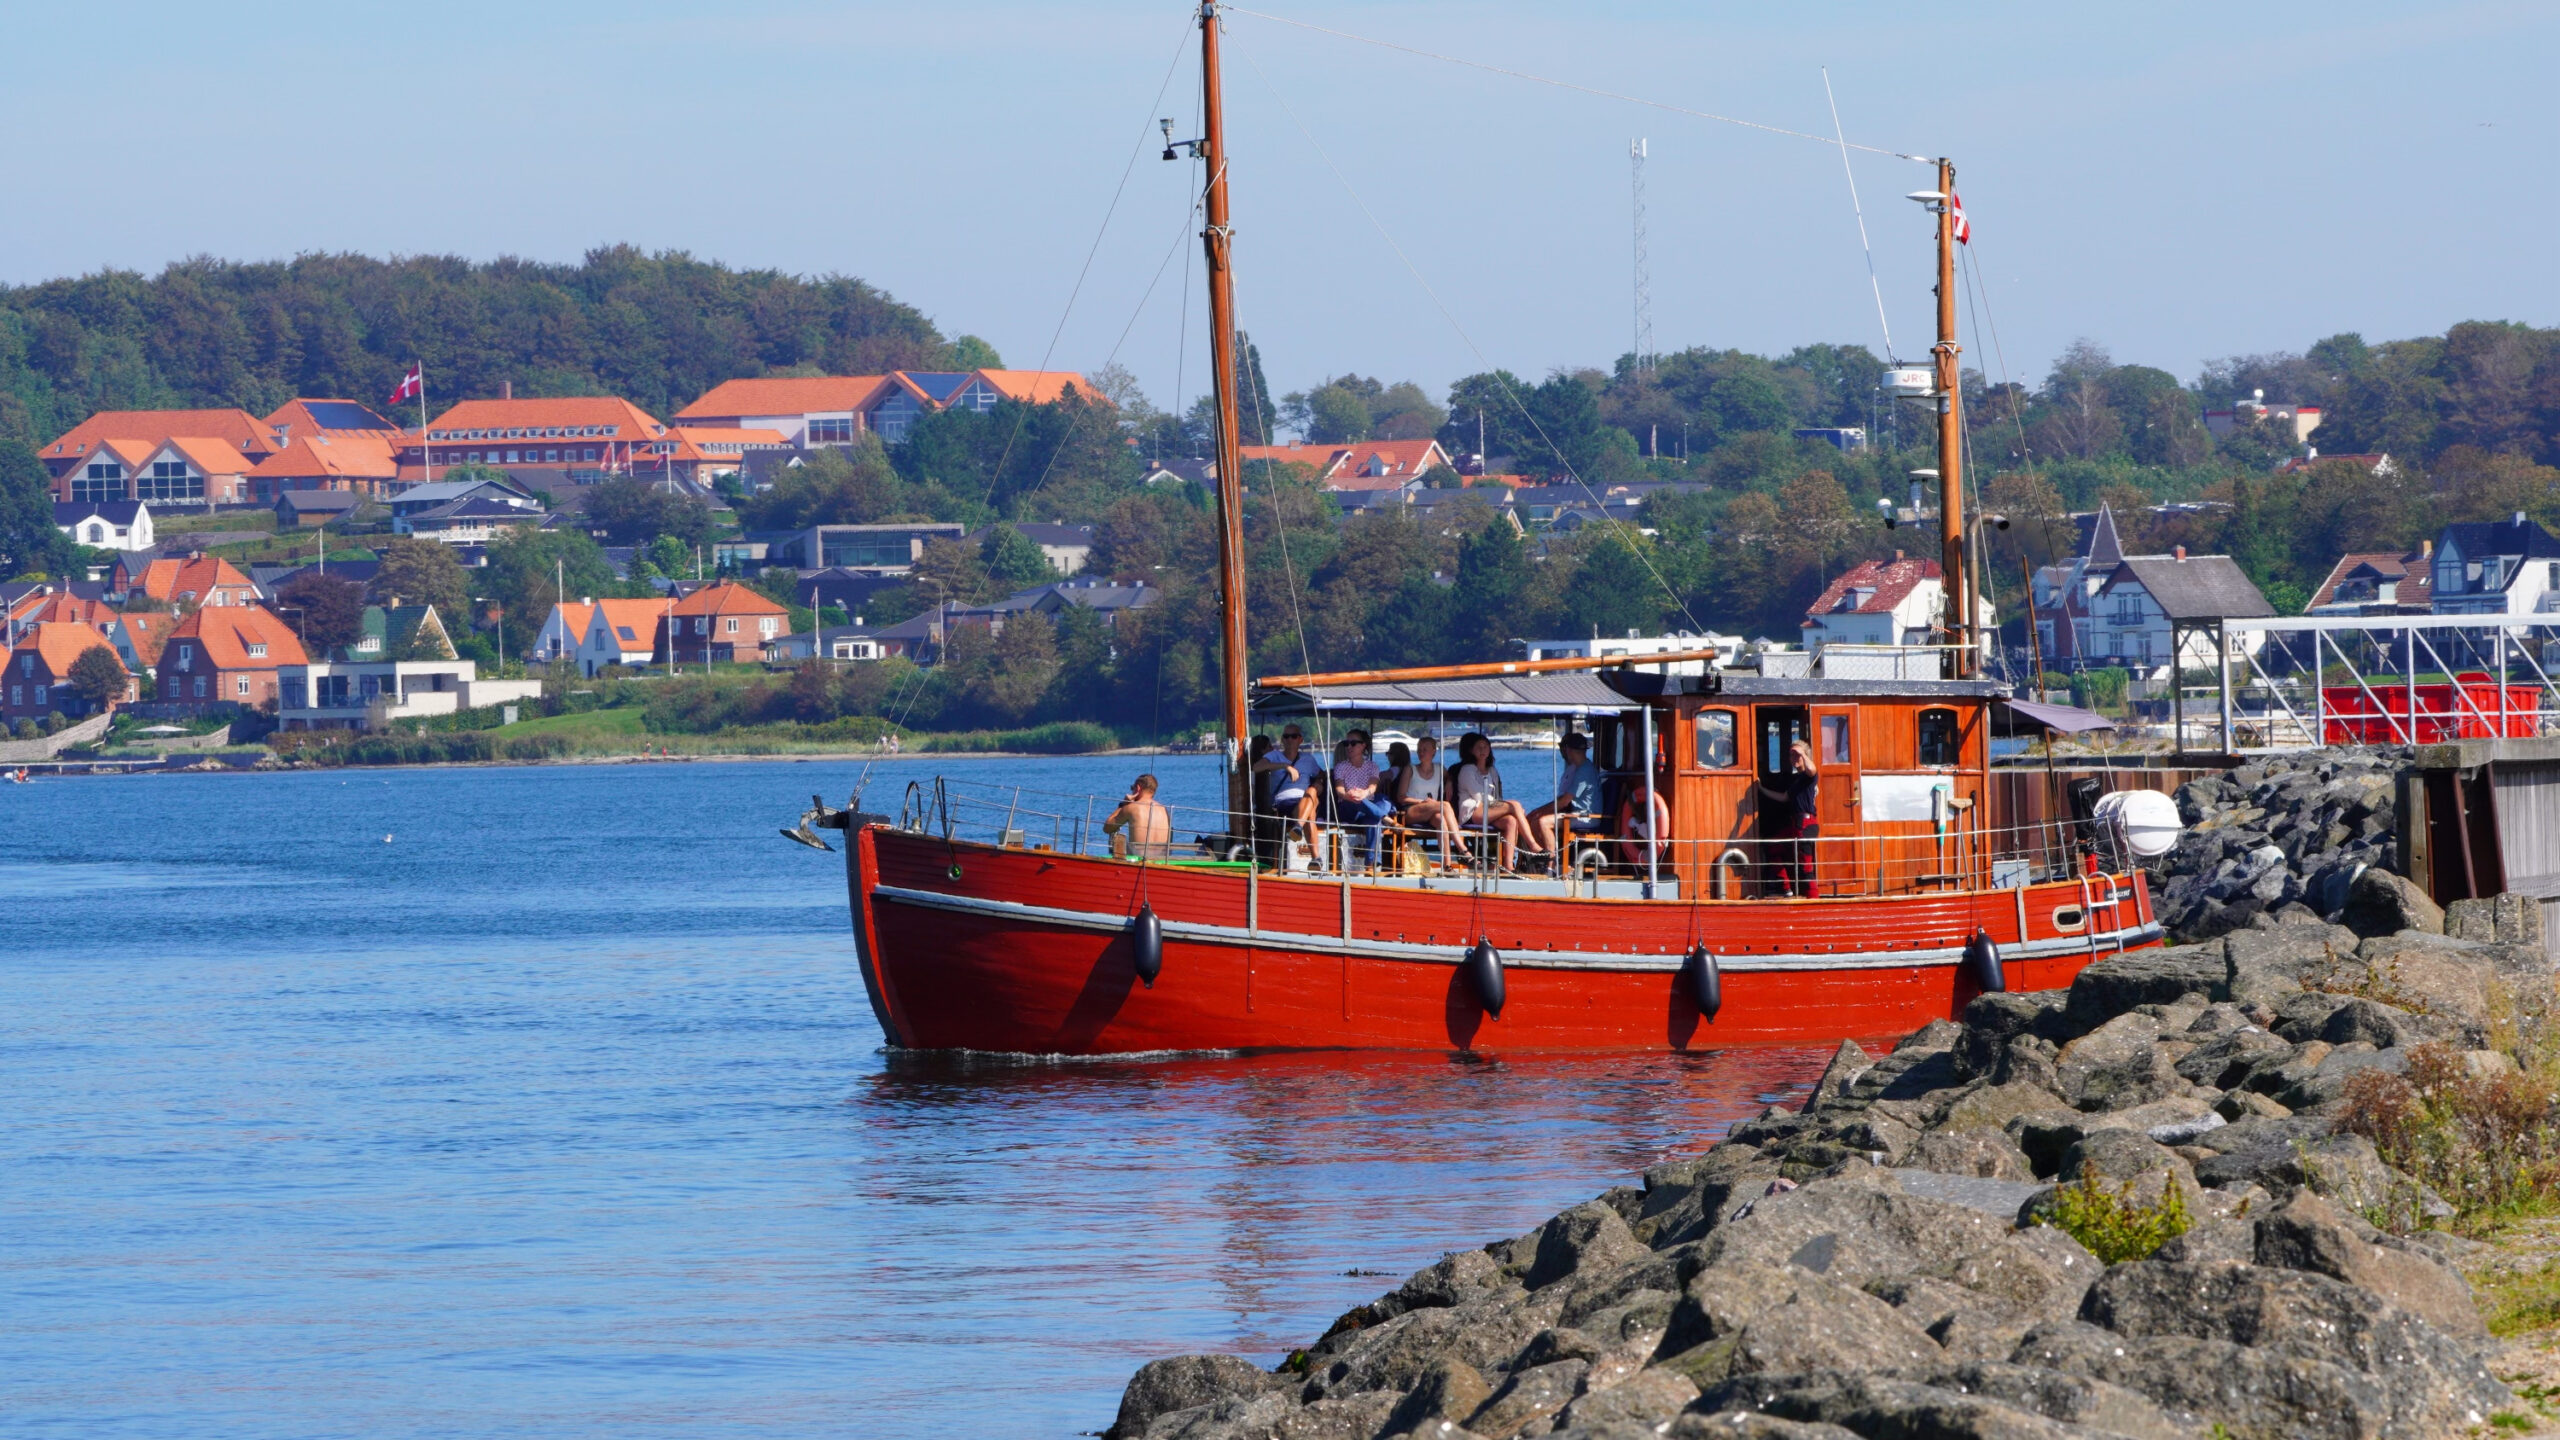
x=267, y=764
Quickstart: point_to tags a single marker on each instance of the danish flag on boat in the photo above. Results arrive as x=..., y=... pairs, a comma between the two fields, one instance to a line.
x=1964, y=228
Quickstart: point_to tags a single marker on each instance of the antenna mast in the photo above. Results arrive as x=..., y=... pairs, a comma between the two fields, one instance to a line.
x=1644, y=278
x=1217, y=238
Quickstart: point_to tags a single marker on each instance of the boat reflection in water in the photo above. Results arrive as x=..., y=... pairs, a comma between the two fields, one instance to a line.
x=1126, y=1184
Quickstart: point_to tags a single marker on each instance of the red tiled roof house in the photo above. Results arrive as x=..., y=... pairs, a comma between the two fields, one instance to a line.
x=227, y=654
x=727, y=622
x=40, y=670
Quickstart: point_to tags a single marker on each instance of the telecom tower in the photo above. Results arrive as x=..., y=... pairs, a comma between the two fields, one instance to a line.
x=1644, y=281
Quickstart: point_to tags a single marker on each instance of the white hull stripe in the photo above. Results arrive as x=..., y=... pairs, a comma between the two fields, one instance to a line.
x=1451, y=952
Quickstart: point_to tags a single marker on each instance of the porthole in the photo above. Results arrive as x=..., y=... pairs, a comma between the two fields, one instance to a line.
x=2069, y=917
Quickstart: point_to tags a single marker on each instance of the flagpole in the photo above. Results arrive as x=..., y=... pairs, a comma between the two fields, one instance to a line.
x=426, y=445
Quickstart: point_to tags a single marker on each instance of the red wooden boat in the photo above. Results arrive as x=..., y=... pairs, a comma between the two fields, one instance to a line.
x=1018, y=940
x=974, y=931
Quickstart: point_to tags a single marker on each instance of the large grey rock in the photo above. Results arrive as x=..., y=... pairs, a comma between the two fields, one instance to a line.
x=1982, y=1154
x=2507, y=919
x=2431, y=1382
x=1847, y=1064
x=2117, y=984
x=1685, y=1199
x=1275, y=1417
x=2208, y=1382
x=1447, y=1390
x=1992, y=1020
x=1454, y=1279
x=1651, y=1398
x=1528, y=1397
x=2226, y=1060
x=1992, y=1107
x=1825, y=1326
x=1747, y=1425
x=2264, y=966
x=1588, y=1235
x=1900, y=1407
x=2118, y=1065
x=2381, y=903
x=1181, y=1382
x=2326, y=1085
x=2122, y=1155
x=2307, y=1234
x=2382, y=1026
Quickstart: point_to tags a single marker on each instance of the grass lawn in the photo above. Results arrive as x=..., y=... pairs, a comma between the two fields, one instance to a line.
x=590, y=724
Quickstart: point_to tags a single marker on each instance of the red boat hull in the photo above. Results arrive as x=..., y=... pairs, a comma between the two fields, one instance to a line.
x=970, y=946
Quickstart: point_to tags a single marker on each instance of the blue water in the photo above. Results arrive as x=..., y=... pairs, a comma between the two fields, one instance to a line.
x=545, y=1101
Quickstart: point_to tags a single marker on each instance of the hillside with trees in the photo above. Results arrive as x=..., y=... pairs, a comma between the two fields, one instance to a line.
x=2470, y=418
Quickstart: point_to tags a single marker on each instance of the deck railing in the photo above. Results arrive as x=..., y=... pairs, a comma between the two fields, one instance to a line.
x=1960, y=856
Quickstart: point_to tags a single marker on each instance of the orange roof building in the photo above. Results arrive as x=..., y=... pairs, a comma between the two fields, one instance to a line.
x=139, y=636
x=603, y=432
x=346, y=460
x=40, y=666
x=1363, y=465
x=807, y=410
x=298, y=419
x=195, y=581
x=80, y=473
x=227, y=655
x=619, y=632
x=724, y=622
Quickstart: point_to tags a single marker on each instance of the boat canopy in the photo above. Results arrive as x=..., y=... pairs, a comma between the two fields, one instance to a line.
x=1557, y=694
x=2034, y=717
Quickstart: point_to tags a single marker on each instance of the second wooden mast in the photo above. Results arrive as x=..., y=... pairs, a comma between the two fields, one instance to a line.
x=1957, y=573
x=1218, y=238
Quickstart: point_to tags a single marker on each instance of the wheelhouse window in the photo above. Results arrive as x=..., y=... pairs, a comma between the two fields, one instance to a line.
x=1717, y=738
x=1937, y=737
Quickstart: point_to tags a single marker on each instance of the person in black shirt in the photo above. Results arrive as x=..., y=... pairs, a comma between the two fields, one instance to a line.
x=1789, y=826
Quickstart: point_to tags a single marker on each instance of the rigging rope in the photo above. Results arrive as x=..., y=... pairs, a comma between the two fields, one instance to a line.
x=1860, y=211
x=1570, y=85
x=1075, y=421
x=1481, y=358
x=2017, y=415
x=1077, y=289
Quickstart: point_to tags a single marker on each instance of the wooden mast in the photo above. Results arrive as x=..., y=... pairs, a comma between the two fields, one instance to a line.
x=1956, y=574
x=1218, y=238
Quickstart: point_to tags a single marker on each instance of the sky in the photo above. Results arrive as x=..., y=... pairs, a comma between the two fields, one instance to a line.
x=2177, y=182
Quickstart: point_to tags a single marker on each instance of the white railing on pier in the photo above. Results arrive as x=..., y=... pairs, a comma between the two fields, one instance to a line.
x=2300, y=682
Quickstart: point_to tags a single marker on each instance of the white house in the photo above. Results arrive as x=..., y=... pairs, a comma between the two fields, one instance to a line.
x=106, y=524
x=1066, y=546
x=2509, y=567
x=378, y=694
x=619, y=632
x=1883, y=602
x=2133, y=613
x=841, y=642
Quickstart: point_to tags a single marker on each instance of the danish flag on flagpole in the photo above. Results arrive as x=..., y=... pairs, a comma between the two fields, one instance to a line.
x=1964, y=228
x=414, y=384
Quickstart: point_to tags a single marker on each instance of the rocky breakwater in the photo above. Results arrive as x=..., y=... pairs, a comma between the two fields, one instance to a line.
x=2281, y=830
x=1910, y=1254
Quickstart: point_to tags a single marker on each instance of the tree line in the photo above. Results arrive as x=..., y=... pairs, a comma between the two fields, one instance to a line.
x=2470, y=418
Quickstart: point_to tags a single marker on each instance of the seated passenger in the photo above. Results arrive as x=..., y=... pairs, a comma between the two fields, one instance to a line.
x=1418, y=790
x=1357, y=798
x=1480, y=802
x=1577, y=808
x=1293, y=774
